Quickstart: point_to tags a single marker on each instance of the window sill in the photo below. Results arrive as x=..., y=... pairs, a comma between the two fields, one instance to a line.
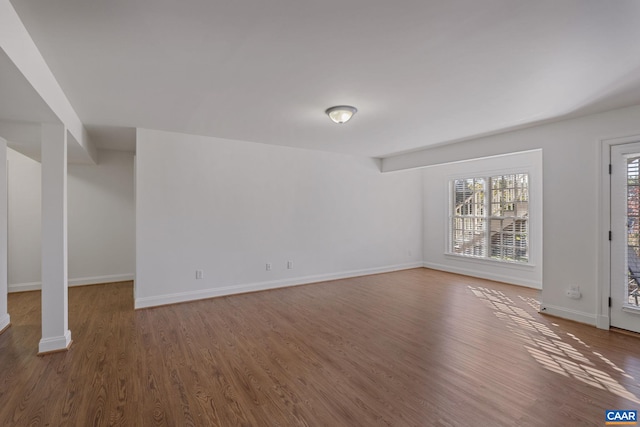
x=631, y=309
x=490, y=261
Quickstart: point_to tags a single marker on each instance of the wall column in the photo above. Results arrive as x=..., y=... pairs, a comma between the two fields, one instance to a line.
x=56, y=335
x=4, y=313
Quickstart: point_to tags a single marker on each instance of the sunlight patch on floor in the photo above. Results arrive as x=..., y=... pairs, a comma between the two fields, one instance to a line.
x=548, y=348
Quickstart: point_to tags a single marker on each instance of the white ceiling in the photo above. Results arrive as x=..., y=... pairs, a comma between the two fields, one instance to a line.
x=20, y=103
x=421, y=72
x=21, y=112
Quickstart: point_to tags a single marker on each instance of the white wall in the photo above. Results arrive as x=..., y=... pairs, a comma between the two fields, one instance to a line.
x=571, y=198
x=101, y=220
x=24, y=222
x=230, y=207
x=436, y=218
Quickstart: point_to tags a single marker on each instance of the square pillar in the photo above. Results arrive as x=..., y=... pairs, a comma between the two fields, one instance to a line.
x=4, y=313
x=56, y=335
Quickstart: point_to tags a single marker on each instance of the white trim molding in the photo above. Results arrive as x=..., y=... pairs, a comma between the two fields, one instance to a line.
x=82, y=281
x=512, y=280
x=603, y=322
x=95, y=280
x=565, y=313
x=50, y=345
x=154, y=301
x=25, y=287
x=603, y=285
x=5, y=321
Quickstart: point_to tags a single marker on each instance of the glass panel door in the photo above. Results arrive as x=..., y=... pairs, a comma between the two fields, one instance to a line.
x=625, y=242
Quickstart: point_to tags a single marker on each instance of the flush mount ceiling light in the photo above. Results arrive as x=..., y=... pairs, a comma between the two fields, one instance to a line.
x=341, y=113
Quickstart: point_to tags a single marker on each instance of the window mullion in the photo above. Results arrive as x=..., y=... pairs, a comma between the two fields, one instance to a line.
x=487, y=216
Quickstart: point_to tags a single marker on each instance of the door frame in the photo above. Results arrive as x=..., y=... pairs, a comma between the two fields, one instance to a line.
x=603, y=287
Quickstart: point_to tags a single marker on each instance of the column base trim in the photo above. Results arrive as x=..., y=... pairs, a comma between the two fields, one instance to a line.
x=55, y=344
x=5, y=322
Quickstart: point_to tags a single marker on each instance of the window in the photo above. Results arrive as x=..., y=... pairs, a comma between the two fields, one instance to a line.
x=490, y=217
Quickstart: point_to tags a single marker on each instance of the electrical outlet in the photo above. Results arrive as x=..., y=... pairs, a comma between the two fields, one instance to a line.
x=199, y=274
x=574, y=293
x=268, y=266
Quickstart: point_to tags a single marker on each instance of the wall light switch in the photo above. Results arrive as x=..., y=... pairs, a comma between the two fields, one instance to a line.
x=199, y=274
x=268, y=266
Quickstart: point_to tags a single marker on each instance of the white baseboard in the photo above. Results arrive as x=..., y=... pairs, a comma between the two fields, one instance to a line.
x=112, y=278
x=24, y=287
x=48, y=345
x=5, y=319
x=155, y=301
x=485, y=275
x=82, y=281
x=565, y=313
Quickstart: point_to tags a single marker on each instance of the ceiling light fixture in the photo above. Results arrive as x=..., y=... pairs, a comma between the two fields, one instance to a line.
x=341, y=113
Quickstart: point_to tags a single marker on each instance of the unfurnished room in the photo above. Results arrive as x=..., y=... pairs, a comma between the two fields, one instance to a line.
x=339, y=213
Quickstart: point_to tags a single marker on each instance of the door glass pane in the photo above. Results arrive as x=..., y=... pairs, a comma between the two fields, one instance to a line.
x=633, y=231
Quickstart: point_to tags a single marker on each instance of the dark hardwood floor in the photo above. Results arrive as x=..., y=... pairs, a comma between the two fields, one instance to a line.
x=410, y=348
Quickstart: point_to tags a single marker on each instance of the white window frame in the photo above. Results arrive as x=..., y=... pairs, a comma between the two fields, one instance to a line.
x=487, y=217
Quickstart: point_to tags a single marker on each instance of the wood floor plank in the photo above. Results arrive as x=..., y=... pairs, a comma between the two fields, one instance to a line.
x=409, y=348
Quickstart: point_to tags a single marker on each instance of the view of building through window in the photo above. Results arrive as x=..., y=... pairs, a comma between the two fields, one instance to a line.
x=490, y=217
x=633, y=230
